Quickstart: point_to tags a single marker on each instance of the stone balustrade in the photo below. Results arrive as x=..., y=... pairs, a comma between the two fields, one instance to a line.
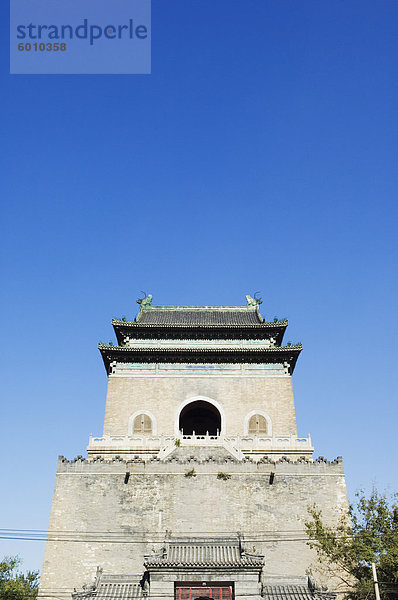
x=265, y=443
x=163, y=445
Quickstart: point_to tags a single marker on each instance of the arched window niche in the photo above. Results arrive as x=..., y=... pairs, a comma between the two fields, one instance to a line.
x=257, y=422
x=142, y=422
x=200, y=415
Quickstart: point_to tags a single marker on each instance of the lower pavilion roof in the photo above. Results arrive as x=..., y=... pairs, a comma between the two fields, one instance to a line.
x=129, y=587
x=111, y=587
x=204, y=553
x=122, y=588
x=295, y=592
x=272, y=355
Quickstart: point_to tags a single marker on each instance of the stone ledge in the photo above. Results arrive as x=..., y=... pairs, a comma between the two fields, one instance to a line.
x=212, y=464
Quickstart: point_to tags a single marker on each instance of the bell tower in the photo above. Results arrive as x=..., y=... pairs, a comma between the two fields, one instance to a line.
x=199, y=485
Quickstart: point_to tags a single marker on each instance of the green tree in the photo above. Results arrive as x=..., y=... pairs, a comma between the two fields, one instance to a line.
x=15, y=585
x=366, y=533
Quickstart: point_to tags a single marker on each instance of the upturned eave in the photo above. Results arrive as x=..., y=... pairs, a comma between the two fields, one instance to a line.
x=124, y=354
x=135, y=330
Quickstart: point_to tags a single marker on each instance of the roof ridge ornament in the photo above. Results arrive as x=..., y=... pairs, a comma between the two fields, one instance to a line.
x=146, y=301
x=89, y=590
x=253, y=301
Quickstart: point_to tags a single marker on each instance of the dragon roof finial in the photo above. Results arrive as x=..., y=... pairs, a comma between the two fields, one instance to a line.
x=145, y=301
x=253, y=301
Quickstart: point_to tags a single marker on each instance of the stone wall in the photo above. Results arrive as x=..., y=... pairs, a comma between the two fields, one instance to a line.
x=104, y=518
x=162, y=396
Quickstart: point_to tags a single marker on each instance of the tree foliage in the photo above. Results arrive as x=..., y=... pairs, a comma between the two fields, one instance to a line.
x=367, y=533
x=15, y=585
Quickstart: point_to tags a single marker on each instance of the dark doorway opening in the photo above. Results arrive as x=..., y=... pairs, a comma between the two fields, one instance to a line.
x=200, y=417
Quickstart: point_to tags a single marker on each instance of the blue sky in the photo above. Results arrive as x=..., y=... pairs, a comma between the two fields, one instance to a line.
x=261, y=154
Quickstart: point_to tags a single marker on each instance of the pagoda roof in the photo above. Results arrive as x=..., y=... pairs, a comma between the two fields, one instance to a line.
x=199, y=322
x=153, y=354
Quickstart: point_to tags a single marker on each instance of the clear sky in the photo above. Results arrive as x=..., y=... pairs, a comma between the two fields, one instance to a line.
x=261, y=154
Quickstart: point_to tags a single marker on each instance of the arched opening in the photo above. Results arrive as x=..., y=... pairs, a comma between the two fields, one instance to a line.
x=200, y=417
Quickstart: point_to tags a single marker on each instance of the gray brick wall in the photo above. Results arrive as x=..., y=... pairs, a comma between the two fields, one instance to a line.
x=94, y=500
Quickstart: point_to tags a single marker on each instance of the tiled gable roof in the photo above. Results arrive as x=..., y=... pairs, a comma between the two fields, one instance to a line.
x=204, y=554
x=192, y=316
x=119, y=587
x=294, y=592
x=111, y=587
x=127, y=587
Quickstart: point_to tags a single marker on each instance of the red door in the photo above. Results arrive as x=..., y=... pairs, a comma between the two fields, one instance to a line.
x=214, y=592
